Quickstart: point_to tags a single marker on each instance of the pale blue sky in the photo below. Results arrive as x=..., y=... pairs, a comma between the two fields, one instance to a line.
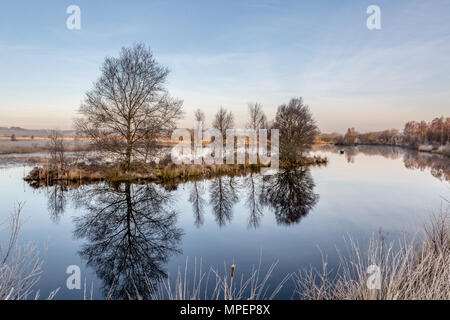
x=232, y=52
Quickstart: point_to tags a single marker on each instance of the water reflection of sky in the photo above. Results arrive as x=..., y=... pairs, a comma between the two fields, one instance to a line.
x=290, y=218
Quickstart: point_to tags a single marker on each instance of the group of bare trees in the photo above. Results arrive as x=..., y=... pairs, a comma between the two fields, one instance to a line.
x=56, y=151
x=294, y=120
x=129, y=111
x=224, y=119
x=436, y=131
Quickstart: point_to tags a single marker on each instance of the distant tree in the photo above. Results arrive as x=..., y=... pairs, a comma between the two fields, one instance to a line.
x=223, y=120
x=350, y=136
x=298, y=130
x=438, y=129
x=387, y=136
x=411, y=132
x=423, y=130
x=56, y=152
x=257, y=118
x=129, y=108
x=199, y=116
x=447, y=129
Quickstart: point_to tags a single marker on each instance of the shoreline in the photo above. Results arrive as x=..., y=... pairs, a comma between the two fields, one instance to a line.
x=153, y=173
x=421, y=148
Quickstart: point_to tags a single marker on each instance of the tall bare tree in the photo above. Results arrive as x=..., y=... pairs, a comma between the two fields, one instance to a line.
x=129, y=108
x=298, y=129
x=223, y=120
x=257, y=118
x=199, y=116
x=57, y=152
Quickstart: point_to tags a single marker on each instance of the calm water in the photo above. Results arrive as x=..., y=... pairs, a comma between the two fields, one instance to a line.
x=116, y=231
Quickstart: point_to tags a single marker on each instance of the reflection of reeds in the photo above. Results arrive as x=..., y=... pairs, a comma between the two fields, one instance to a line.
x=407, y=271
x=252, y=287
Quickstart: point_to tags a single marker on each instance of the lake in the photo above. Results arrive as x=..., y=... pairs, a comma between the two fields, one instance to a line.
x=114, y=232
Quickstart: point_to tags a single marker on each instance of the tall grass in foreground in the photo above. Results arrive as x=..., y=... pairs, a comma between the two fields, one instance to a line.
x=20, y=266
x=215, y=285
x=410, y=270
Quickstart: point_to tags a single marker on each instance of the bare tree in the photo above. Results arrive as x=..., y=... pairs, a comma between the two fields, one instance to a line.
x=298, y=129
x=56, y=152
x=129, y=107
x=257, y=118
x=350, y=136
x=199, y=116
x=223, y=120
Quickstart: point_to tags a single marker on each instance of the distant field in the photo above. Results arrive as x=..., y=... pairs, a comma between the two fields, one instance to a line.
x=38, y=144
x=21, y=132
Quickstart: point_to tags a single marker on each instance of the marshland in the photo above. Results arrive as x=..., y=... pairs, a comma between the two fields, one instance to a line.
x=282, y=225
x=281, y=156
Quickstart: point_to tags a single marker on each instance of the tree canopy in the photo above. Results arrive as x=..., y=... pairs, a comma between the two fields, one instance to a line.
x=129, y=107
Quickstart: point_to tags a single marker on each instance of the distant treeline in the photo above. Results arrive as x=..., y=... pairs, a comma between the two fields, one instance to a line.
x=425, y=136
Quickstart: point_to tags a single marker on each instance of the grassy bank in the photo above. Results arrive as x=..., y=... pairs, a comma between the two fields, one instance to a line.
x=408, y=270
x=150, y=173
x=20, y=264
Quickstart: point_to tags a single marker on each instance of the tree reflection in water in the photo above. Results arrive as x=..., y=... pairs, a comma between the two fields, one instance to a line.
x=252, y=182
x=290, y=193
x=130, y=232
x=56, y=201
x=198, y=202
x=438, y=165
x=223, y=196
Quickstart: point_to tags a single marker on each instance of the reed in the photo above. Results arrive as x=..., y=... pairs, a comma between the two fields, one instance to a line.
x=216, y=285
x=415, y=269
x=20, y=266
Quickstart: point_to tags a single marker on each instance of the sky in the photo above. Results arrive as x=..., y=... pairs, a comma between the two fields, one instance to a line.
x=230, y=53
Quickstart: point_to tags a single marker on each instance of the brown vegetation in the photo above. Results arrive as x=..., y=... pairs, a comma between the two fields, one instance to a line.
x=28, y=145
x=160, y=173
x=423, y=136
x=20, y=265
x=408, y=270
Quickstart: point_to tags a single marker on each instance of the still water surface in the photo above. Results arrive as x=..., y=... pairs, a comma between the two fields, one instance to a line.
x=114, y=232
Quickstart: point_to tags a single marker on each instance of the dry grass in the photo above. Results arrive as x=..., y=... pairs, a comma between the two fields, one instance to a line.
x=20, y=266
x=214, y=285
x=410, y=270
x=22, y=145
x=159, y=173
